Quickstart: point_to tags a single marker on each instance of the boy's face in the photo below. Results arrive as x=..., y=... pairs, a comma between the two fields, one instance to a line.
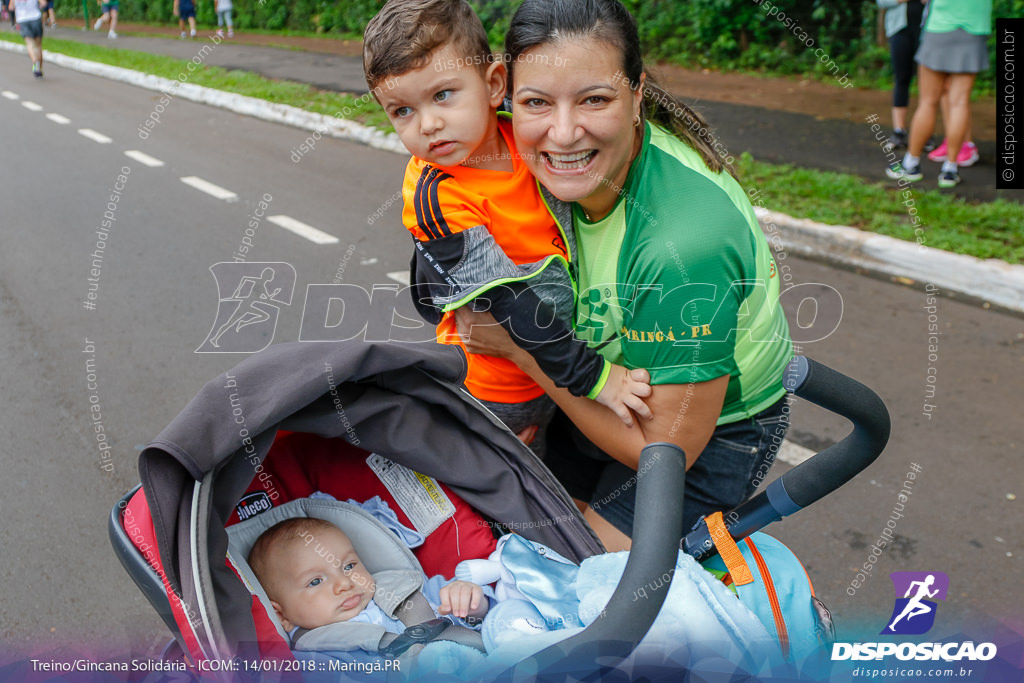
x=444, y=111
x=317, y=579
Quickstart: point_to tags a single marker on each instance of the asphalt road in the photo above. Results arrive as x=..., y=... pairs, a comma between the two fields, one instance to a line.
x=156, y=299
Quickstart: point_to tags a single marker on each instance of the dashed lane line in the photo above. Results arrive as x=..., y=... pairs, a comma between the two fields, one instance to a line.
x=290, y=224
x=401, y=276
x=793, y=454
x=209, y=188
x=143, y=158
x=94, y=136
x=302, y=230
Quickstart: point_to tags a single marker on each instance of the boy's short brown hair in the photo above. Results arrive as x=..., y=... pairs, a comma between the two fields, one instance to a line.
x=404, y=33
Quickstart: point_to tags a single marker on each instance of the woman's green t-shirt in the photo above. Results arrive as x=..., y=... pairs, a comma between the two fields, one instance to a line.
x=679, y=279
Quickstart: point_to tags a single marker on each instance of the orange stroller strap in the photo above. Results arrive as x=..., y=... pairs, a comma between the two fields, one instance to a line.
x=728, y=550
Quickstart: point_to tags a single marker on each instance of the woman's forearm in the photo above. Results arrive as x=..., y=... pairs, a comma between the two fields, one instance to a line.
x=598, y=423
x=683, y=414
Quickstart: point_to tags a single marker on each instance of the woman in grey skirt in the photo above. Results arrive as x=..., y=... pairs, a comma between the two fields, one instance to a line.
x=953, y=51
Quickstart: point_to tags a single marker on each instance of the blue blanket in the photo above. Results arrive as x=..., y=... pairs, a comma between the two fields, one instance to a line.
x=702, y=625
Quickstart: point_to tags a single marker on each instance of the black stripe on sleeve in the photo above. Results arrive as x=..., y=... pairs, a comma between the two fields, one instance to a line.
x=420, y=203
x=436, y=205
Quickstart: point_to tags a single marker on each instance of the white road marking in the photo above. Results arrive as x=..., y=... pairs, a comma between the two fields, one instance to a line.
x=9, y=95
x=792, y=454
x=210, y=189
x=143, y=158
x=302, y=230
x=401, y=276
x=32, y=106
x=57, y=118
x=93, y=135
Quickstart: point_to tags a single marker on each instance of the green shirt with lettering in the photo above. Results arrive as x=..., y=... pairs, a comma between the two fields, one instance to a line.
x=679, y=279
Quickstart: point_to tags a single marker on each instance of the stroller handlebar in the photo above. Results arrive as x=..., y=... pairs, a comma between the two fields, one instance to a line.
x=627, y=618
x=824, y=473
x=821, y=474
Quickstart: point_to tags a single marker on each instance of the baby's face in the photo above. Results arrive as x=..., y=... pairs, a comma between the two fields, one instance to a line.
x=317, y=579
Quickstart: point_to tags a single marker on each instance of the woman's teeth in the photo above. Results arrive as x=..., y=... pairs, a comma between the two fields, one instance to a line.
x=568, y=162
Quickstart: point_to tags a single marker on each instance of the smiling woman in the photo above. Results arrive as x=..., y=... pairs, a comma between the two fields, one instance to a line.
x=703, y=319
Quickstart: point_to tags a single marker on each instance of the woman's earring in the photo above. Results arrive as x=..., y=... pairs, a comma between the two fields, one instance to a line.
x=637, y=121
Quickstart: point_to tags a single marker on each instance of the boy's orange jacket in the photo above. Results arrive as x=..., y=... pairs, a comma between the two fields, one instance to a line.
x=480, y=231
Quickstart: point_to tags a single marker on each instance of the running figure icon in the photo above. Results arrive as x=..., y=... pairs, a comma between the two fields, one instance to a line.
x=915, y=607
x=252, y=308
x=247, y=317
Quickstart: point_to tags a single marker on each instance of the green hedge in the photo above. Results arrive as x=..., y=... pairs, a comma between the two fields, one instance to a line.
x=706, y=33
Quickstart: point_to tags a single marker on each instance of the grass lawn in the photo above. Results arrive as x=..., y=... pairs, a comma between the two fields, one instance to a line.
x=985, y=230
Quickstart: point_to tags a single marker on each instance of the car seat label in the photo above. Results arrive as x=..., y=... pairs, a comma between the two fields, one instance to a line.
x=419, y=496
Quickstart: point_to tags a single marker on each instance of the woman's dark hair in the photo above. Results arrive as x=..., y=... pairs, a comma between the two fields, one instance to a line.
x=541, y=22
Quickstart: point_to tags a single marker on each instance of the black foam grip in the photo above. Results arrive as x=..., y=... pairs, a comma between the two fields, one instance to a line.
x=831, y=468
x=657, y=528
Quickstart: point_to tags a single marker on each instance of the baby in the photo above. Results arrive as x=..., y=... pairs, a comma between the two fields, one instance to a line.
x=313, y=577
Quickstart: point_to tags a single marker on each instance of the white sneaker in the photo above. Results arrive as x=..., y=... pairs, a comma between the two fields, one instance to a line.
x=112, y=34
x=231, y=33
x=193, y=34
x=183, y=35
x=96, y=26
x=220, y=33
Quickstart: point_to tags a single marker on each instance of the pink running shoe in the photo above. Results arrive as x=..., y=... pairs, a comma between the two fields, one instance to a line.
x=968, y=155
x=939, y=153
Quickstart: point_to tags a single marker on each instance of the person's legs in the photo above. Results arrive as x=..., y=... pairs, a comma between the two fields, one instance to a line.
x=968, y=151
x=113, y=20
x=959, y=120
x=734, y=464
x=931, y=84
x=901, y=47
x=729, y=470
x=612, y=539
x=30, y=44
x=960, y=86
